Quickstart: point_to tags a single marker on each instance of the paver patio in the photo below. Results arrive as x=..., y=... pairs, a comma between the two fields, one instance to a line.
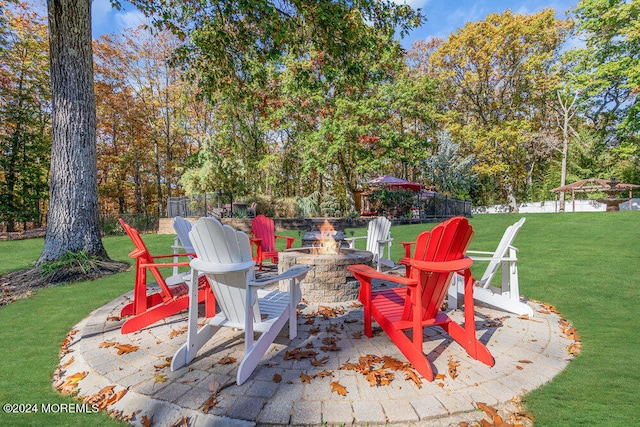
x=528, y=353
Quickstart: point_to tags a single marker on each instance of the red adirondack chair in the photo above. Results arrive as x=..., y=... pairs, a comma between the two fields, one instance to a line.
x=417, y=304
x=173, y=295
x=264, y=240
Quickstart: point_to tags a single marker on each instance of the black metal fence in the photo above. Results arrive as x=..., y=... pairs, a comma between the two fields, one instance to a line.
x=110, y=226
x=219, y=204
x=439, y=206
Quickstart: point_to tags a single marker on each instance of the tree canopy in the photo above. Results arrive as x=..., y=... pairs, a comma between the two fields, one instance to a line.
x=276, y=101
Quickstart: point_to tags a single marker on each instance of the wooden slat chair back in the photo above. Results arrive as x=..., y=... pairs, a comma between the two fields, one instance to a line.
x=181, y=243
x=507, y=296
x=378, y=237
x=223, y=255
x=501, y=252
x=264, y=240
x=416, y=303
x=182, y=228
x=172, y=296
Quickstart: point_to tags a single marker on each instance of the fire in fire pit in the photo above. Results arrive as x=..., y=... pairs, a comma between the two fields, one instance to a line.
x=329, y=281
x=326, y=244
x=323, y=228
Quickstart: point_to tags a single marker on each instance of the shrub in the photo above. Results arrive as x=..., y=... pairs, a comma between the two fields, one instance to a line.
x=393, y=203
x=286, y=207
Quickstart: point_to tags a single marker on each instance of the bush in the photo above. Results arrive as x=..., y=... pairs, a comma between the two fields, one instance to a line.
x=309, y=207
x=392, y=203
x=286, y=207
x=330, y=207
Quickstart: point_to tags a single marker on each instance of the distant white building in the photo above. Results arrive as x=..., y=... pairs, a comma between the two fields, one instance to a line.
x=554, y=206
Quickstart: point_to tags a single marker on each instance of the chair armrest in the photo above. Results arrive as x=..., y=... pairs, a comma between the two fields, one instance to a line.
x=442, y=266
x=407, y=248
x=168, y=264
x=298, y=271
x=170, y=255
x=489, y=259
x=290, y=240
x=352, y=241
x=480, y=252
x=371, y=273
x=210, y=267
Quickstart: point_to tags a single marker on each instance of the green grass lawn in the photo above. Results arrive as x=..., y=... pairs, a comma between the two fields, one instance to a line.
x=586, y=264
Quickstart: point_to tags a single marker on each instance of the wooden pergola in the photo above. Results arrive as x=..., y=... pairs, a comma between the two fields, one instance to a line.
x=591, y=185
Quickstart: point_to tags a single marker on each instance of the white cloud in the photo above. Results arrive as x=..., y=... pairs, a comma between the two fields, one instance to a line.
x=131, y=19
x=107, y=20
x=415, y=4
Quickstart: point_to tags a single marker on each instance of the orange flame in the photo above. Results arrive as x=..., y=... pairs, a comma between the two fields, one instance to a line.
x=327, y=244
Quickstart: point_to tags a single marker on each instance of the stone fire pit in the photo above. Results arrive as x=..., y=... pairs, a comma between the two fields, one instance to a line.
x=329, y=281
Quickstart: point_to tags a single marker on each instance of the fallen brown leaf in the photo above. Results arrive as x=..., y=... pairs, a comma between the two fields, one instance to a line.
x=319, y=362
x=147, y=421
x=338, y=388
x=227, y=360
x=333, y=327
x=68, y=338
x=68, y=362
x=412, y=375
x=379, y=377
x=332, y=347
x=329, y=312
x=574, y=349
x=277, y=378
x=99, y=397
x=393, y=363
x=115, y=397
x=126, y=348
x=107, y=344
x=175, y=333
x=572, y=334
x=453, y=368
x=160, y=378
x=72, y=381
x=299, y=354
x=322, y=374
x=162, y=365
x=210, y=403
x=306, y=379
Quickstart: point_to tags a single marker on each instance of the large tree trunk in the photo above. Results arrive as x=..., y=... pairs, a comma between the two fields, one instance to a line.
x=72, y=223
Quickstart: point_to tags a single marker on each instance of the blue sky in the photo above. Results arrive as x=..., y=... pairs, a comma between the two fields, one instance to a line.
x=443, y=17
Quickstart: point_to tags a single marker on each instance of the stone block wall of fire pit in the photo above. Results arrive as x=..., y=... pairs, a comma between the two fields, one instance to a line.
x=329, y=281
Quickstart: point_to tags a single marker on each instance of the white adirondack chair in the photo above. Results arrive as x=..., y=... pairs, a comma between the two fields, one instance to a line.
x=224, y=256
x=508, y=296
x=181, y=242
x=378, y=236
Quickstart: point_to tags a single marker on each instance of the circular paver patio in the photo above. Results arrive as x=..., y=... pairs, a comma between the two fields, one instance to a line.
x=528, y=353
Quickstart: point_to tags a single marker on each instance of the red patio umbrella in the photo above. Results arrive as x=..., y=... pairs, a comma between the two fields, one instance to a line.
x=392, y=181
